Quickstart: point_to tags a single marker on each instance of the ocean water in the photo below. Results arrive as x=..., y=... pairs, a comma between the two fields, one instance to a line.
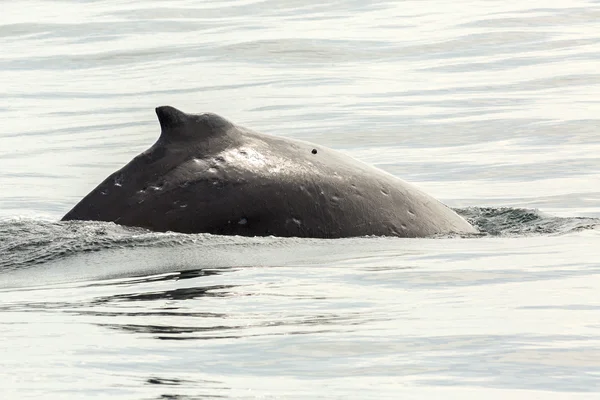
x=491, y=106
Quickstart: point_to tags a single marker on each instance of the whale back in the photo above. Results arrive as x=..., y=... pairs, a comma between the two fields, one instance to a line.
x=205, y=174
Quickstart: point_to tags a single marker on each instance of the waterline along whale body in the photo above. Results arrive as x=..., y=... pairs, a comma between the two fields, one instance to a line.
x=208, y=175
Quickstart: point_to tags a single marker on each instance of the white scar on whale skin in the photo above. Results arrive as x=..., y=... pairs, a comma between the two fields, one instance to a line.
x=259, y=162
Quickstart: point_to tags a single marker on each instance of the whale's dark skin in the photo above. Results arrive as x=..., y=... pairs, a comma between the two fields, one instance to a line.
x=206, y=174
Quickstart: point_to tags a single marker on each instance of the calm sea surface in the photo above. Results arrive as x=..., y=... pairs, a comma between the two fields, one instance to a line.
x=491, y=106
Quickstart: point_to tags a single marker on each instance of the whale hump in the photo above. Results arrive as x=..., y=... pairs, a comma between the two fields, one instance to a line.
x=177, y=126
x=208, y=175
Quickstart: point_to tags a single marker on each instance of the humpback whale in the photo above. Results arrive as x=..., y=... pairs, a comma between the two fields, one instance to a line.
x=206, y=174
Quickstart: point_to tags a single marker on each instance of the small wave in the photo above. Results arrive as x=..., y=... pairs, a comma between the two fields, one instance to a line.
x=28, y=242
x=508, y=221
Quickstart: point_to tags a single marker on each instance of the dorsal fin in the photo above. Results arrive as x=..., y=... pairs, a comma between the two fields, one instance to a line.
x=170, y=117
x=178, y=126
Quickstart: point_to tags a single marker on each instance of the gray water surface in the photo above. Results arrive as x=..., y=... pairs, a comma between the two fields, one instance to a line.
x=492, y=107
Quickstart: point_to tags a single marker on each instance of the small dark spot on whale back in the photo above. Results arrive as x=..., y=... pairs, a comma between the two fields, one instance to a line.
x=412, y=214
x=219, y=159
x=314, y=151
x=385, y=192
